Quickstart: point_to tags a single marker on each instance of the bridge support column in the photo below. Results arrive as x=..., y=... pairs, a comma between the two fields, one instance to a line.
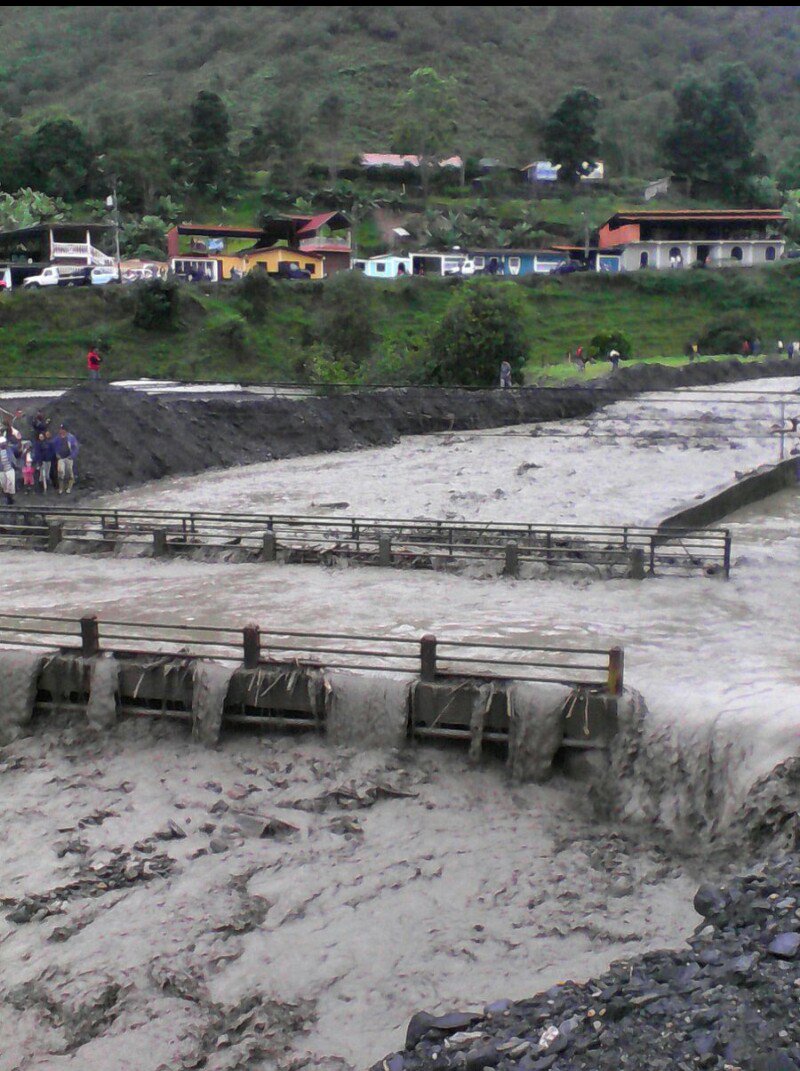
x=159, y=543
x=55, y=533
x=269, y=544
x=384, y=550
x=511, y=567
x=636, y=557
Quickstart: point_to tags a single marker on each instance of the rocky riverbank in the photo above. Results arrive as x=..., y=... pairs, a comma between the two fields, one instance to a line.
x=727, y=1002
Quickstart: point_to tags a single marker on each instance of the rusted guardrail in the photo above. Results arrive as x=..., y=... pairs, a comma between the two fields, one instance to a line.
x=428, y=656
x=641, y=550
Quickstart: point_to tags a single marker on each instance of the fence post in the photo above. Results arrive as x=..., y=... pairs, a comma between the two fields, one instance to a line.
x=55, y=533
x=427, y=657
x=512, y=560
x=548, y=542
x=616, y=668
x=384, y=549
x=636, y=559
x=251, y=644
x=726, y=555
x=270, y=547
x=159, y=542
x=90, y=637
x=652, y=555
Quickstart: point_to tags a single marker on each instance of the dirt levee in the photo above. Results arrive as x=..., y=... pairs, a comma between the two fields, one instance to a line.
x=129, y=437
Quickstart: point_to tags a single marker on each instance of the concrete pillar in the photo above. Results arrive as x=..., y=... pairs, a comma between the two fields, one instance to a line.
x=55, y=533
x=512, y=560
x=251, y=646
x=616, y=668
x=384, y=550
x=427, y=657
x=159, y=542
x=269, y=551
x=90, y=637
x=636, y=571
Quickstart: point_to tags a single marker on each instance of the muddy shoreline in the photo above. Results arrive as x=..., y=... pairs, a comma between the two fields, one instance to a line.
x=128, y=438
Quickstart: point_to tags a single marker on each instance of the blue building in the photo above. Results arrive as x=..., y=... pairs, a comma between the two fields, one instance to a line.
x=513, y=261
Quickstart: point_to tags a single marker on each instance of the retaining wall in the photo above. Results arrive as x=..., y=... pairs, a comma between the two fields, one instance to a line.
x=753, y=488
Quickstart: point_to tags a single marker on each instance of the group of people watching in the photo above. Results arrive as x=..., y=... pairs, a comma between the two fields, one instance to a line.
x=44, y=461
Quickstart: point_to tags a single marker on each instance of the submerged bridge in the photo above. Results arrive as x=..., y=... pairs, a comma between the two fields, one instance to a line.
x=632, y=550
x=524, y=698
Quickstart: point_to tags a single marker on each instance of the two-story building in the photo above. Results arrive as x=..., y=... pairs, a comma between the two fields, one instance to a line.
x=672, y=238
x=28, y=250
x=319, y=244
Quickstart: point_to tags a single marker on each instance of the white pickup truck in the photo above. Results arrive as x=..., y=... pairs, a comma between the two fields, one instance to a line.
x=53, y=276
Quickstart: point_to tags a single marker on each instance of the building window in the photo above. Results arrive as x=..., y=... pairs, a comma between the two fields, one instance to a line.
x=736, y=252
x=478, y=262
x=770, y=254
x=643, y=260
x=675, y=257
x=309, y=268
x=513, y=265
x=380, y=268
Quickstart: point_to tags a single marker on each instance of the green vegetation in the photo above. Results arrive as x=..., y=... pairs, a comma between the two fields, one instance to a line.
x=569, y=135
x=136, y=65
x=265, y=330
x=483, y=327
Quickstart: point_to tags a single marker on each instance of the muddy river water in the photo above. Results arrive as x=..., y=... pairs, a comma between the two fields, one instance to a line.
x=326, y=939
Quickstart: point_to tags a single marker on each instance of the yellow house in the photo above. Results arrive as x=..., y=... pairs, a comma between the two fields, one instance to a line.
x=268, y=260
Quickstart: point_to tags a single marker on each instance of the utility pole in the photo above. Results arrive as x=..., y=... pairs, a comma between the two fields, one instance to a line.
x=116, y=228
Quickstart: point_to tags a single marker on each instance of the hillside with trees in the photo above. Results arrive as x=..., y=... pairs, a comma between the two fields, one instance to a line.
x=333, y=76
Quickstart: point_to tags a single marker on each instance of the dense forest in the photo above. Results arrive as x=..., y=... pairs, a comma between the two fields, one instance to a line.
x=138, y=68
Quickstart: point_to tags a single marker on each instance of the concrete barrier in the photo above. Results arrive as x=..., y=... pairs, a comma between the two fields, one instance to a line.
x=758, y=485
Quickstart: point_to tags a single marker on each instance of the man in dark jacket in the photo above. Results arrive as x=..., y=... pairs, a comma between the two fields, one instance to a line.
x=66, y=476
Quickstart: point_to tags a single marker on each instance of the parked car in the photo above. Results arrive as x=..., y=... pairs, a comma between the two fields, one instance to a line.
x=292, y=271
x=569, y=269
x=53, y=276
x=102, y=276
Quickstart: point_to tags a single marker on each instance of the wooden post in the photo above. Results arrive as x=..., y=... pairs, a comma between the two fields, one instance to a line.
x=427, y=657
x=251, y=644
x=726, y=555
x=384, y=550
x=159, y=542
x=511, y=567
x=636, y=558
x=548, y=542
x=270, y=547
x=90, y=637
x=55, y=533
x=616, y=667
x=652, y=555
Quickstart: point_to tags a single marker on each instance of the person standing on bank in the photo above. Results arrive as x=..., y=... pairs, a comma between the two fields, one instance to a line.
x=505, y=375
x=66, y=476
x=93, y=362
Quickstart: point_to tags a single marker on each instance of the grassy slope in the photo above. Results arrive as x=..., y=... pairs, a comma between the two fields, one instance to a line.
x=511, y=63
x=48, y=333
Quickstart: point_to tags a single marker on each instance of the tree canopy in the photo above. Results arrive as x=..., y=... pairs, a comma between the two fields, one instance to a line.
x=569, y=137
x=426, y=123
x=482, y=328
x=711, y=140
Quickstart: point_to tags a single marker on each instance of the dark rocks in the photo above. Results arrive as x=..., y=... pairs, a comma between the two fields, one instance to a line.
x=709, y=901
x=422, y=1023
x=728, y=1000
x=785, y=945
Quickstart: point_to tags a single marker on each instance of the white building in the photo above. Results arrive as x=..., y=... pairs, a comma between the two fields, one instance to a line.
x=680, y=239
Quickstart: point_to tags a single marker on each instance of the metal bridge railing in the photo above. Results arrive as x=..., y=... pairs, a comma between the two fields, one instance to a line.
x=430, y=657
x=387, y=541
